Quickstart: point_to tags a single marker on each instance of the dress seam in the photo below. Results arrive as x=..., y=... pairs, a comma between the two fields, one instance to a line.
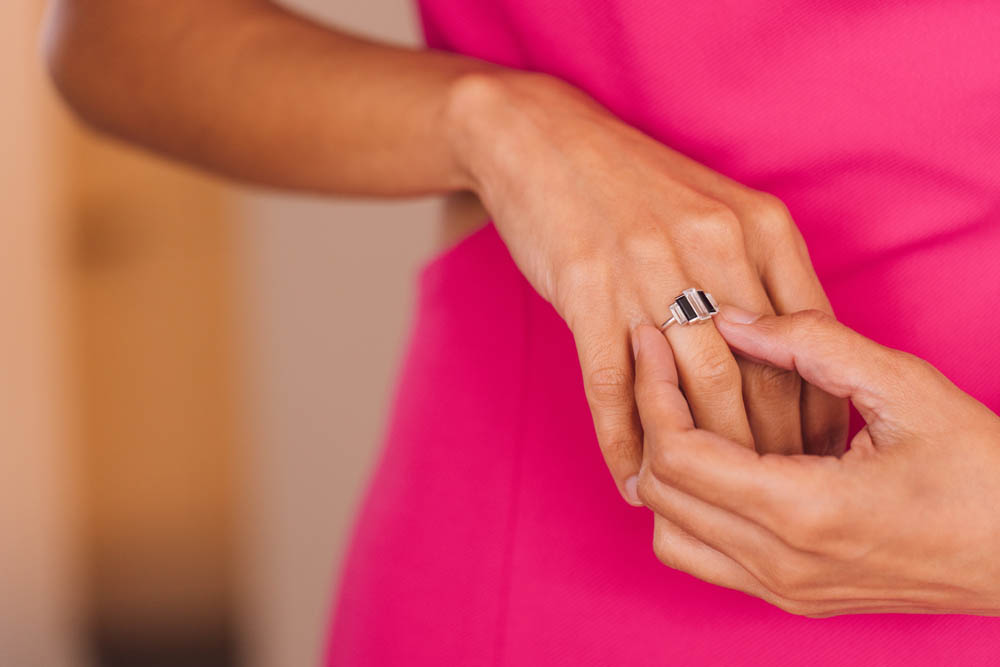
x=506, y=571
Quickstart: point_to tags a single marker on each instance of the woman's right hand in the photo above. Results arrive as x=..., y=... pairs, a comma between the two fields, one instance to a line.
x=610, y=226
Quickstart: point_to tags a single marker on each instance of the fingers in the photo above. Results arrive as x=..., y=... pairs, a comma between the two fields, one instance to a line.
x=776, y=574
x=824, y=352
x=759, y=543
x=759, y=574
x=790, y=279
x=772, y=398
x=680, y=551
x=607, y=377
x=728, y=533
x=771, y=395
x=792, y=285
x=825, y=421
x=711, y=380
x=696, y=461
x=661, y=405
x=742, y=400
x=767, y=489
x=664, y=413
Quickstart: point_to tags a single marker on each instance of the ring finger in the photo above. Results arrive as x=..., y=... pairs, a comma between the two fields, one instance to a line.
x=741, y=400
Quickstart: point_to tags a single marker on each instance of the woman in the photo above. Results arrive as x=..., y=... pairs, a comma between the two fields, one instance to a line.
x=595, y=137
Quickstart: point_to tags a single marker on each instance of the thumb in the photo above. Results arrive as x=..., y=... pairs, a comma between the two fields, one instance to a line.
x=824, y=352
x=658, y=397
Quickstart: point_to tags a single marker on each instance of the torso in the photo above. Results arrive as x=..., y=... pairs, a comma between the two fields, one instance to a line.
x=492, y=533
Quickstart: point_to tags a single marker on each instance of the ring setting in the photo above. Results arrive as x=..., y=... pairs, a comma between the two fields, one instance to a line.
x=693, y=305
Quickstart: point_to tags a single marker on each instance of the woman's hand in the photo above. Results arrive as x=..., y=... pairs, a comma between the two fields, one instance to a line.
x=908, y=520
x=609, y=226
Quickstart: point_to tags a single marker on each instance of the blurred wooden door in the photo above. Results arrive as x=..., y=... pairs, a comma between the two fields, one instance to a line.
x=152, y=294
x=117, y=366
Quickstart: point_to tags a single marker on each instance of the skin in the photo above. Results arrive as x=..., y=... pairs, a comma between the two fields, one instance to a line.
x=905, y=521
x=607, y=224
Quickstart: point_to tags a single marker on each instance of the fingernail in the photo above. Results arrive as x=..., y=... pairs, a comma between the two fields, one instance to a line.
x=737, y=315
x=631, y=489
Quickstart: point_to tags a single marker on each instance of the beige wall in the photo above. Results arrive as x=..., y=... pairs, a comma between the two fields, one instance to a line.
x=327, y=307
x=325, y=292
x=37, y=581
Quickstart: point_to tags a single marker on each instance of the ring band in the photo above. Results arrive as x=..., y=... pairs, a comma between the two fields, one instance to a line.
x=693, y=305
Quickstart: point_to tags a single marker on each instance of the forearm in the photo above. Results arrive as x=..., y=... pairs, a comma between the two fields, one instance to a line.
x=243, y=88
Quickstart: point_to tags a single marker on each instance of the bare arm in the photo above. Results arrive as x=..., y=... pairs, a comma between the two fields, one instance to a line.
x=247, y=89
x=600, y=218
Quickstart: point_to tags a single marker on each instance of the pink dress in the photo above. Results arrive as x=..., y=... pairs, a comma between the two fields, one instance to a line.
x=492, y=533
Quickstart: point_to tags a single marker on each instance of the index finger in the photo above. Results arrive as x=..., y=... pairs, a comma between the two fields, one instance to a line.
x=767, y=489
x=772, y=490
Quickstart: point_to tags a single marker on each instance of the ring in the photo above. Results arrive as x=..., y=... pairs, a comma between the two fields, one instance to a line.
x=693, y=305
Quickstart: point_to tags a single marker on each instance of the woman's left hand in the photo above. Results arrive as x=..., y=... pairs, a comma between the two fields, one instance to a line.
x=908, y=520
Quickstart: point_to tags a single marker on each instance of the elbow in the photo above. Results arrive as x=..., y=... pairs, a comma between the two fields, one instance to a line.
x=68, y=55
x=56, y=50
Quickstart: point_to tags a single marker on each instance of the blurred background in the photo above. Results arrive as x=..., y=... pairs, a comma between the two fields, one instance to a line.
x=193, y=380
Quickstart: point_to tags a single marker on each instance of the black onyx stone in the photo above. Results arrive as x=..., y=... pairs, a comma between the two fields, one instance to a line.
x=708, y=304
x=686, y=307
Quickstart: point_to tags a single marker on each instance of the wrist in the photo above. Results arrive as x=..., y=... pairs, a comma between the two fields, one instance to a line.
x=498, y=124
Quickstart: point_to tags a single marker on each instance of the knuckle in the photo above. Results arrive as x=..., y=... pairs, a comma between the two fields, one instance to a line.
x=810, y=525
x=648, y=394
x=652, y=400
x=797, y=607
x=664, y=546
x=719, y=227
x=659, y=468
x=716, y=369
x=763, y=378
x=791, y=580
x=716, y=214
x=646, y=487
x=608, y=386
x=618, y=442
x=662, y=549
x=771, y=214
x=579, y=273
x=653, y=394
x=912, y=367
x=811, y=318
x=906, y=372
x=660, y=464
x=666, y=463
x=579, y=277
x=772, y=234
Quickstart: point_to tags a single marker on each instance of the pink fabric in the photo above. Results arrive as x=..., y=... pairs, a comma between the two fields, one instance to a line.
x=492, y=534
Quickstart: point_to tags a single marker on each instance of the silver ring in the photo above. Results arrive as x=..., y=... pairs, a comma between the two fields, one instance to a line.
x=693, y=305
